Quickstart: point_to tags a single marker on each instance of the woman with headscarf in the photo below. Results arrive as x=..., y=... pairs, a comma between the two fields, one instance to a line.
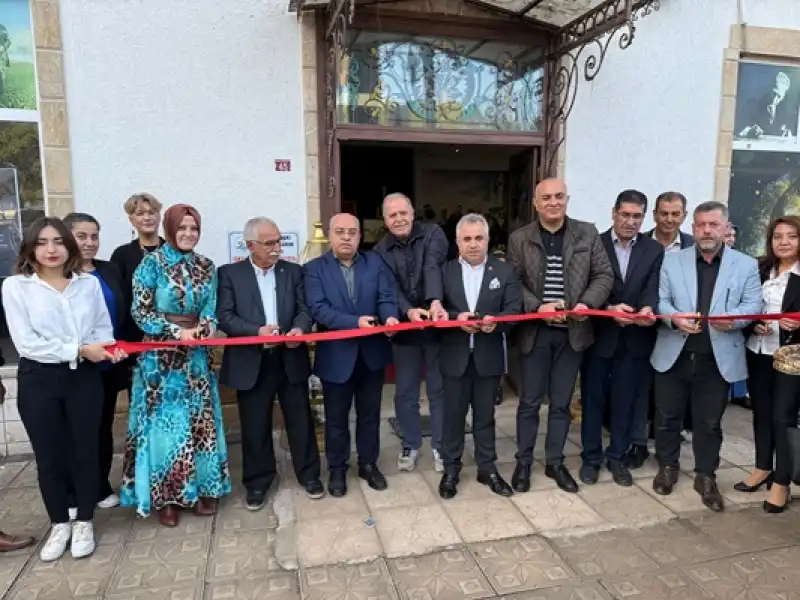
x=175, y=453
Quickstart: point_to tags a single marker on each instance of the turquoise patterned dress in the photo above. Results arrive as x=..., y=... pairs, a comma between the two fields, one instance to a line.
x=175, y=452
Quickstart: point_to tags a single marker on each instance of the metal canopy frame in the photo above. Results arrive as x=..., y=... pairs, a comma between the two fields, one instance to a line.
x=576, y=51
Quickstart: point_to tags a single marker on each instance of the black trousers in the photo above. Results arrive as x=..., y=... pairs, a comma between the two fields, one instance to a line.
x=61, y=409
x=786, y=394
x=365, y=387
x=459, y=394
x=255, y=416
x=693, y=380
x=549, y=369
x=106, y=443
x=760, y=383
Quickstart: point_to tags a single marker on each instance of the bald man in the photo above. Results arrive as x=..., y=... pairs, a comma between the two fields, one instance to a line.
x=561, y=263
x=348, y=289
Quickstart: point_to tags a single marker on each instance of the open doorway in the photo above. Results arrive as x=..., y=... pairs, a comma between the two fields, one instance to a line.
x=443, y=181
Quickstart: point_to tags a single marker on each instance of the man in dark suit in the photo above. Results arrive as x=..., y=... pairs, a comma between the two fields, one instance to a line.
x=669, y=213
x=472, y=360
x=620, y=354
x=347, y=289
x=262, y=296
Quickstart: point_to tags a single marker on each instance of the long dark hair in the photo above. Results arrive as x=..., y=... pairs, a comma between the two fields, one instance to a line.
x=26, y=261
x=769, y=261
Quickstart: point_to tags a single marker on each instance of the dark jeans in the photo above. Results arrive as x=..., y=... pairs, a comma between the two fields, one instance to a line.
x=760, y=385
x=255, y=415
x=549, y=369
x=61, y=409
x=460, y=393
x=642, y=407
x=612, y=382
x=365, y=386
x=786, y=392
x=693, y=380
x=408, y=362
x=106, y=442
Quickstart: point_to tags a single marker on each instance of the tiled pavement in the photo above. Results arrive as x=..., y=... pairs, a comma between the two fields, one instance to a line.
x=605, y=542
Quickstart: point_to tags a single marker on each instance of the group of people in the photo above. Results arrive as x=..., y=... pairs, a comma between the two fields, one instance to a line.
x=65, y=310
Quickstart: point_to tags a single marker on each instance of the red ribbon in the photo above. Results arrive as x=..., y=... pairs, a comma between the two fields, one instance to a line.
x=345, y=334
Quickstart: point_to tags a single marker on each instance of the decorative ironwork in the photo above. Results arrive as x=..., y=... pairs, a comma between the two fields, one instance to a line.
x=577, y=54
x=408, y=80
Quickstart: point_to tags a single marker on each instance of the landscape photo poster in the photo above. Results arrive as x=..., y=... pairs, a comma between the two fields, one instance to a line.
x=17, y=55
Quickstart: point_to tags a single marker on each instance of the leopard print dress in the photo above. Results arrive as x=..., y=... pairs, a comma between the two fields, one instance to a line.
x=175, y=451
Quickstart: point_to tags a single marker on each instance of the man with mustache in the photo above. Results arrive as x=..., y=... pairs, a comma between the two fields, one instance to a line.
x=264, y=295
x=695, y=360
x=347, y=289
x=415, y=253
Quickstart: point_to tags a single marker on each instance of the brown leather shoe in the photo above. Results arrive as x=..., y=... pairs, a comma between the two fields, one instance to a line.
x=168, y=516
x=205, y=507
x=706, y=486
x=665, y=480
x=9, y=543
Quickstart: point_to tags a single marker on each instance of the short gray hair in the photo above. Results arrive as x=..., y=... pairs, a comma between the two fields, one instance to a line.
x=251, y=227
x=711, y=206
x=470, y=219
x=396, y=196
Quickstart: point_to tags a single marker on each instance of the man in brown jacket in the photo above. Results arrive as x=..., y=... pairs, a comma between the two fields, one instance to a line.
x=561, y=262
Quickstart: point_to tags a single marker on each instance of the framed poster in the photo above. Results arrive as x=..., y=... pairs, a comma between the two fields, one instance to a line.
x=17, y=72
x=290, y=247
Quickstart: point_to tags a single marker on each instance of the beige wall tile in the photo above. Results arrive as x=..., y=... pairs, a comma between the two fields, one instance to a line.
x=60, y=205
x=722, y=184
x=310, y=89
x=724, y=149
x=773, y=42
x=732, y=54
x=311, y=123
x=58, y=168
x=313, y=212
x=308, y=37
x=730, y=77
x=54, y=123
x=47, y=24
x=50, y=69
x=727, y=114
x=312, y=176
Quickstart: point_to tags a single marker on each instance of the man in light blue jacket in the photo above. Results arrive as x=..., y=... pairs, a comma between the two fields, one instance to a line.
x=695, y=360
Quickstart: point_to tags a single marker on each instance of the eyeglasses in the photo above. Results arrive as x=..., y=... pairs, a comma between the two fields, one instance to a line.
x=267, y=243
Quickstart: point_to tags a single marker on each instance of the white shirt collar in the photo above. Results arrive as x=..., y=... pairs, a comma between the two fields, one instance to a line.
x=475, y=267
x=675, y=242
x=616, y=240
x=259, y=270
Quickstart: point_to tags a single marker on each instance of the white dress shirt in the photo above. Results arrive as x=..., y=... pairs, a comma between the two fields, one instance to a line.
x=674, y=246
x=49, y=326
x=266, y=288
x=472, y=277
x=772, y=291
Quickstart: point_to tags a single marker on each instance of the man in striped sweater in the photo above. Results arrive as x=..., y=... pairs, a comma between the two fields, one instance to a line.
x=561, y=262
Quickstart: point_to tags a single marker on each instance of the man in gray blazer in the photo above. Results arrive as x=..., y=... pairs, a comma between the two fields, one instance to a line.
x=696, y=361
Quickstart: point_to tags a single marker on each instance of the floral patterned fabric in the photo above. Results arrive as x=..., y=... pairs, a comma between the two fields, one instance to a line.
x=175, y=452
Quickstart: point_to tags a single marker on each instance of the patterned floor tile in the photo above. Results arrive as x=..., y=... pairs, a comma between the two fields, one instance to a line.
x=507, y=426
x=9, y=470
x=242, y=555
x=410, y=530
x=405, y=489
x=579, y=591
x=656, y=585
x=781, y=565
x=604, y=554
x=191, y=591
x=149, y=529
x=333, y=541
x=555, y=510
x=276, y=586
x=676, y=543
x=727, y=478
x=369, y=581
x=22, y=502
x=521, y=564
x=113, y=526
x=161, y=564
x=745, y=531
x=449, y=575
x=738, y=451
x=28, y=477
x=683, y=498
x=486, y=519
x=739, y=578
x=232, y=519
x=351, y=505
x=11, y=566
x=68, y=578
x=628, y=505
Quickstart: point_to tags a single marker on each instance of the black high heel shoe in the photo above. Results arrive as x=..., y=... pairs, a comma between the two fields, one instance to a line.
x=749, y=489
x=776, y=509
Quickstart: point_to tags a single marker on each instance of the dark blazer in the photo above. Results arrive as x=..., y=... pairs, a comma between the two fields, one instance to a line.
x=639, y=289
x=240, y=313
x=332, y=308
x=110, y=274
x=126, y=258
x=500, y=295
x=686, y=239
x=587, y=277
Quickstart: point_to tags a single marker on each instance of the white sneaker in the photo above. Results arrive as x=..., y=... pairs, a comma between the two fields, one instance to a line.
x=407, y=459
x=73, y=513
x=438, y=463
x=56, y=543
x=110, y=502
x=82, y=539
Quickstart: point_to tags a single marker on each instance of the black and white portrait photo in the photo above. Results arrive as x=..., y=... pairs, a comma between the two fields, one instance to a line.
x=767, y=108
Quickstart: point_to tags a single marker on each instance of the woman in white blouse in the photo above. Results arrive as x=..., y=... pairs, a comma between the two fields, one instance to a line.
x=60, y=326
x=780, y=276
